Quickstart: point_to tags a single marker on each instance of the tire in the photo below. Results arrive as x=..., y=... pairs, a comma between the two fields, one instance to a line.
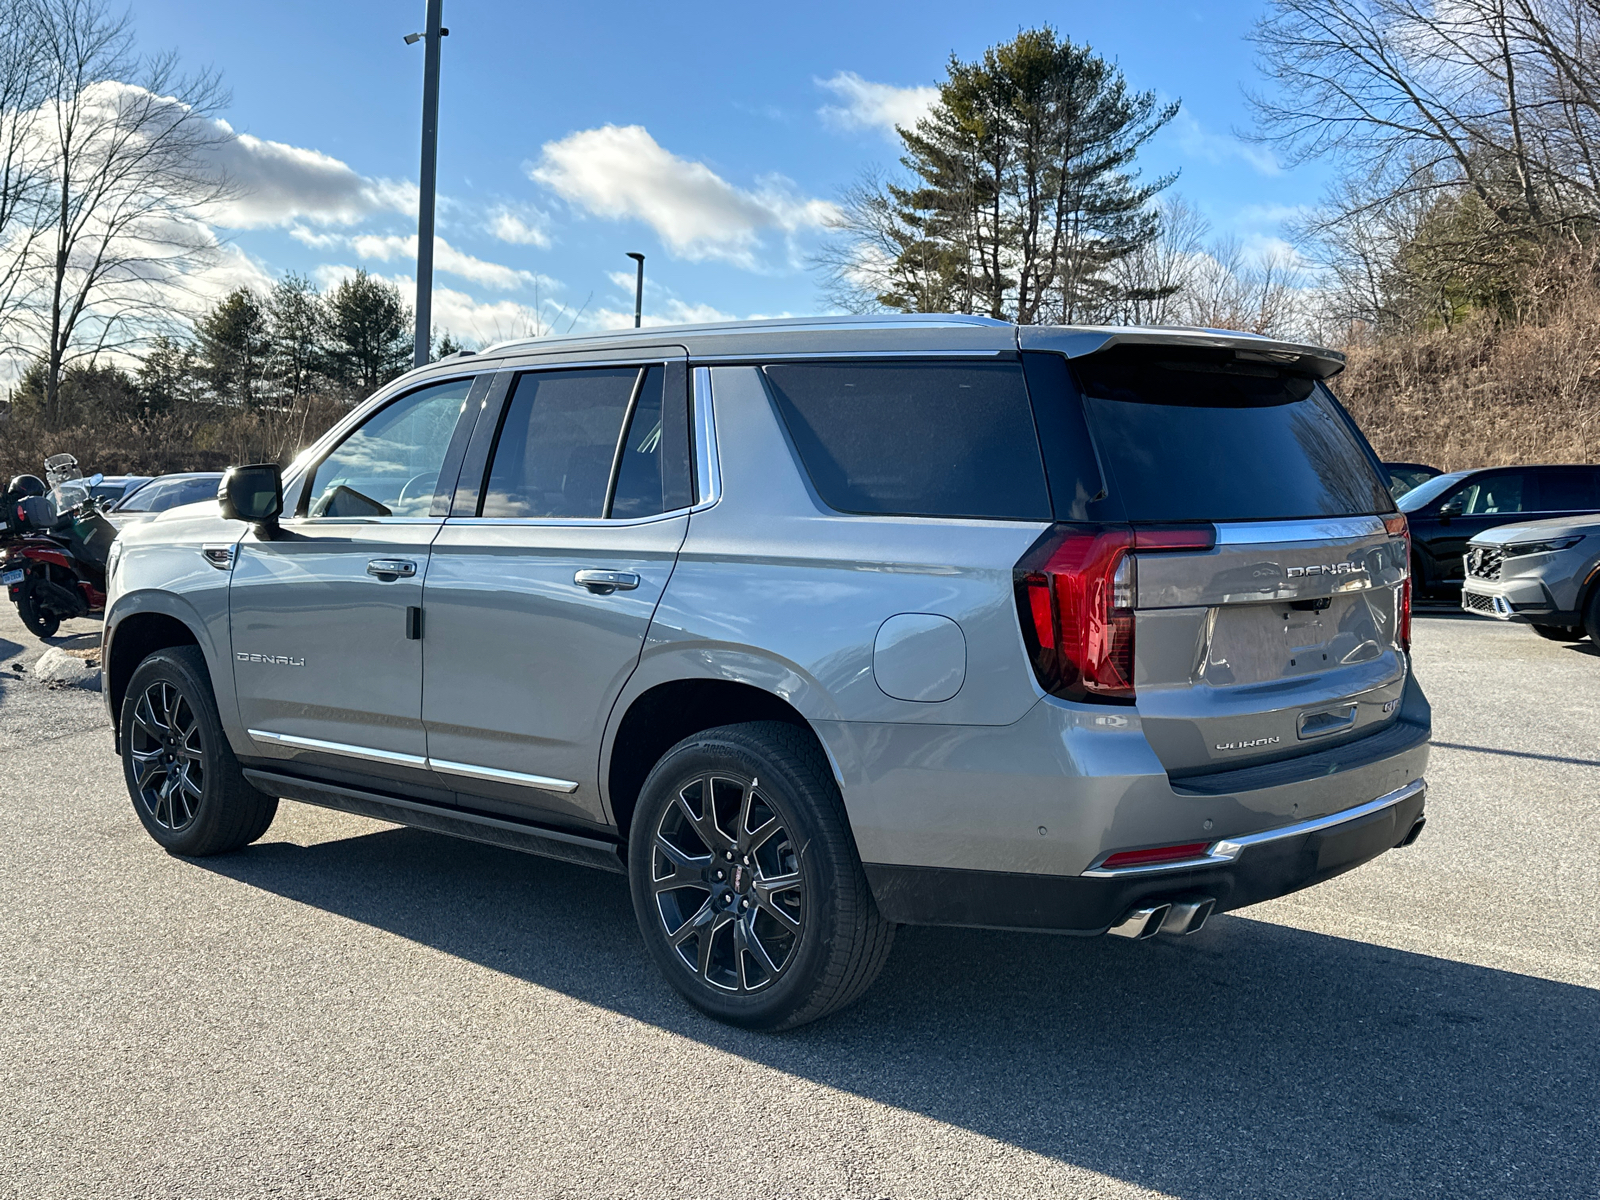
x=777, y=956
x=182, y=776
x=39, y=622
x=1591, y=617
x=1560, y=633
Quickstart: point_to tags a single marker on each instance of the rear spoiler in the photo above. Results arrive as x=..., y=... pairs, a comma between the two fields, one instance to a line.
x=1076, y=341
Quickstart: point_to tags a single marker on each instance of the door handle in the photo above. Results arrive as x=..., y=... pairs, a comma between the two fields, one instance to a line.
x=603, y=583
x=390, y=569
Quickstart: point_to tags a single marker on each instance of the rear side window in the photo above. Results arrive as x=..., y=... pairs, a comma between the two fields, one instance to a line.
x=1204, y=436
x=922, y=439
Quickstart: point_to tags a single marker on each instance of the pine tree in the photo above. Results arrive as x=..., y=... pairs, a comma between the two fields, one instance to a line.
x=1022, y=195
x=297, y=322
x=233, y=347
x=369, y=332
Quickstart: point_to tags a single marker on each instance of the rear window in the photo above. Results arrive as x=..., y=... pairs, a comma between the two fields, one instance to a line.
x=1203, y=436
x=923, y=439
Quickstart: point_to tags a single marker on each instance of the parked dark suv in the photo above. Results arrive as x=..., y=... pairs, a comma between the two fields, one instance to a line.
x=1450, y=510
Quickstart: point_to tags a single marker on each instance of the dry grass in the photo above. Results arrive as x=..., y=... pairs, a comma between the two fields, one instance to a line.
x=189, y=437
x=1489, y=392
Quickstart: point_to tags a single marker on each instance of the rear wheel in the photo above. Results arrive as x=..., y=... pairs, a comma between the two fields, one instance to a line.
x=746, y=882
x=38, y=621
x=1560, y=633
x=186, y=785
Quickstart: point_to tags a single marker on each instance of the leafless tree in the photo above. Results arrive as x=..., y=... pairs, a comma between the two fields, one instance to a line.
x=21, y=177
x=128, y=146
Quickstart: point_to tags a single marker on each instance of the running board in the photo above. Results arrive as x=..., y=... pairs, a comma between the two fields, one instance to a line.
x=476, y=827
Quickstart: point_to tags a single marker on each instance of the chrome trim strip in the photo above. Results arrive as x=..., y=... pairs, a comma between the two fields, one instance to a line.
x=756, y=358
x=708, y=467
x=340, y=748
x=1320, y=529
x=1228, y=850
x=467, y=770
x=568, y=522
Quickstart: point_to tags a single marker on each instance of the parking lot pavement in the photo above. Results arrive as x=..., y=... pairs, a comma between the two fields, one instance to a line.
x=351, y=1009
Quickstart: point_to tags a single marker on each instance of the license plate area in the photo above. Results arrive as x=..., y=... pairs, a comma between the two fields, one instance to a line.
x=11, y=577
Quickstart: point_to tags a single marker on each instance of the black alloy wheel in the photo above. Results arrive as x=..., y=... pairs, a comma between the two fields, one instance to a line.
x=746, y=881
x=168, y=755
x=186, y=785
x=726, y=879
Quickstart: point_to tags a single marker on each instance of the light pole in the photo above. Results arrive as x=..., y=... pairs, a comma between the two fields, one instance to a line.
x=430, y=172
x=638, y=288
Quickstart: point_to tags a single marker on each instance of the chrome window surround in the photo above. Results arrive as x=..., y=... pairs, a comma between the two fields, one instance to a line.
x=1227, y=850
x=367, y=754
x=707, y=457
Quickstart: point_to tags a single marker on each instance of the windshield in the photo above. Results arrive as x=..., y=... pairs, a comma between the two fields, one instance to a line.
x=162, y=494
x=1423, y=493
x=1203, y=436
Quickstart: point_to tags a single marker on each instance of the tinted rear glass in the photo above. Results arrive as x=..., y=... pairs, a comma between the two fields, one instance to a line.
x=926, y=439
x=1189, y=436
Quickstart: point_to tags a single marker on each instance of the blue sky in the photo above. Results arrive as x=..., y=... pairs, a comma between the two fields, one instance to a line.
x=707, y=136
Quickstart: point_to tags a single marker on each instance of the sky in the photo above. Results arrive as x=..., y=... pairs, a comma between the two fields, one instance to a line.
x=713, y=138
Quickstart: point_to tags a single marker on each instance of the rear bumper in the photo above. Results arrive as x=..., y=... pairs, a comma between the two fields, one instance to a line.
x=1235, y=871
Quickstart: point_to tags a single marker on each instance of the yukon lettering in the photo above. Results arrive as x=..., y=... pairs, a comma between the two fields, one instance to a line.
x=1248, y=744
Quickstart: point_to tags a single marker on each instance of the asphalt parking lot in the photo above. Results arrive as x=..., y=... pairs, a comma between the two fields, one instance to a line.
x=351, y=1009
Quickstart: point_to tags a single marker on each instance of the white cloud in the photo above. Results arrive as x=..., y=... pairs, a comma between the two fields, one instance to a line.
x=523, y=227
x=621, y=172
x=868, y=105
x=275, y=183
x=1197, y=141
x=388, y=246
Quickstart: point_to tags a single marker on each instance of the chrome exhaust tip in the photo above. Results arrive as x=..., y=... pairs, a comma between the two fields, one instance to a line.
x=1141, y=922
x=1188, y=916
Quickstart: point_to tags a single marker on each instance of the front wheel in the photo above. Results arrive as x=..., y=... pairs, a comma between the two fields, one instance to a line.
x=186, y=785
x=1560, y=633
x=38, y=621
x=746, y=882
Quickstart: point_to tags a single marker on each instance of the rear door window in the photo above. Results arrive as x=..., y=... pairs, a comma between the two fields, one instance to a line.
x=1203, y=436
x=557, y=443
x=1569, y=489
x=921, y=439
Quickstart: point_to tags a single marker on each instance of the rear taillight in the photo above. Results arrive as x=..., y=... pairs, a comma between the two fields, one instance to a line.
x=1396, y=526
x=1076, y=592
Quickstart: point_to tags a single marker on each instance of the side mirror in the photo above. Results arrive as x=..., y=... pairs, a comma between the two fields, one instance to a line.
x=253, y=494
x=1453, y=509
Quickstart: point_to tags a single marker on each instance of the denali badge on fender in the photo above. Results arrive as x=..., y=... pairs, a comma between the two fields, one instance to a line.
x=1249, y=744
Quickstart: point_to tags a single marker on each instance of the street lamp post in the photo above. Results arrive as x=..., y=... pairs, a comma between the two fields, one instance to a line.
x=638, y=288
x=430, y=170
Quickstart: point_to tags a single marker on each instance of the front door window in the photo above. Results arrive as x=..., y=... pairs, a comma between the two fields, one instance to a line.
x=389, y=467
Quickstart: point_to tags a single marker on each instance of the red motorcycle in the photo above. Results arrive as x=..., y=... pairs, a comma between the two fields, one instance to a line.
x=54, y=545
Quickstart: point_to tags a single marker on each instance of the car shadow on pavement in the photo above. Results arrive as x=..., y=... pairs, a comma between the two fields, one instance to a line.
x=1249, y=1059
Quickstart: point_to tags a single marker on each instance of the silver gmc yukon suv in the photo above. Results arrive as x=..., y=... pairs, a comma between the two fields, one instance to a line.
x=810, y=627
